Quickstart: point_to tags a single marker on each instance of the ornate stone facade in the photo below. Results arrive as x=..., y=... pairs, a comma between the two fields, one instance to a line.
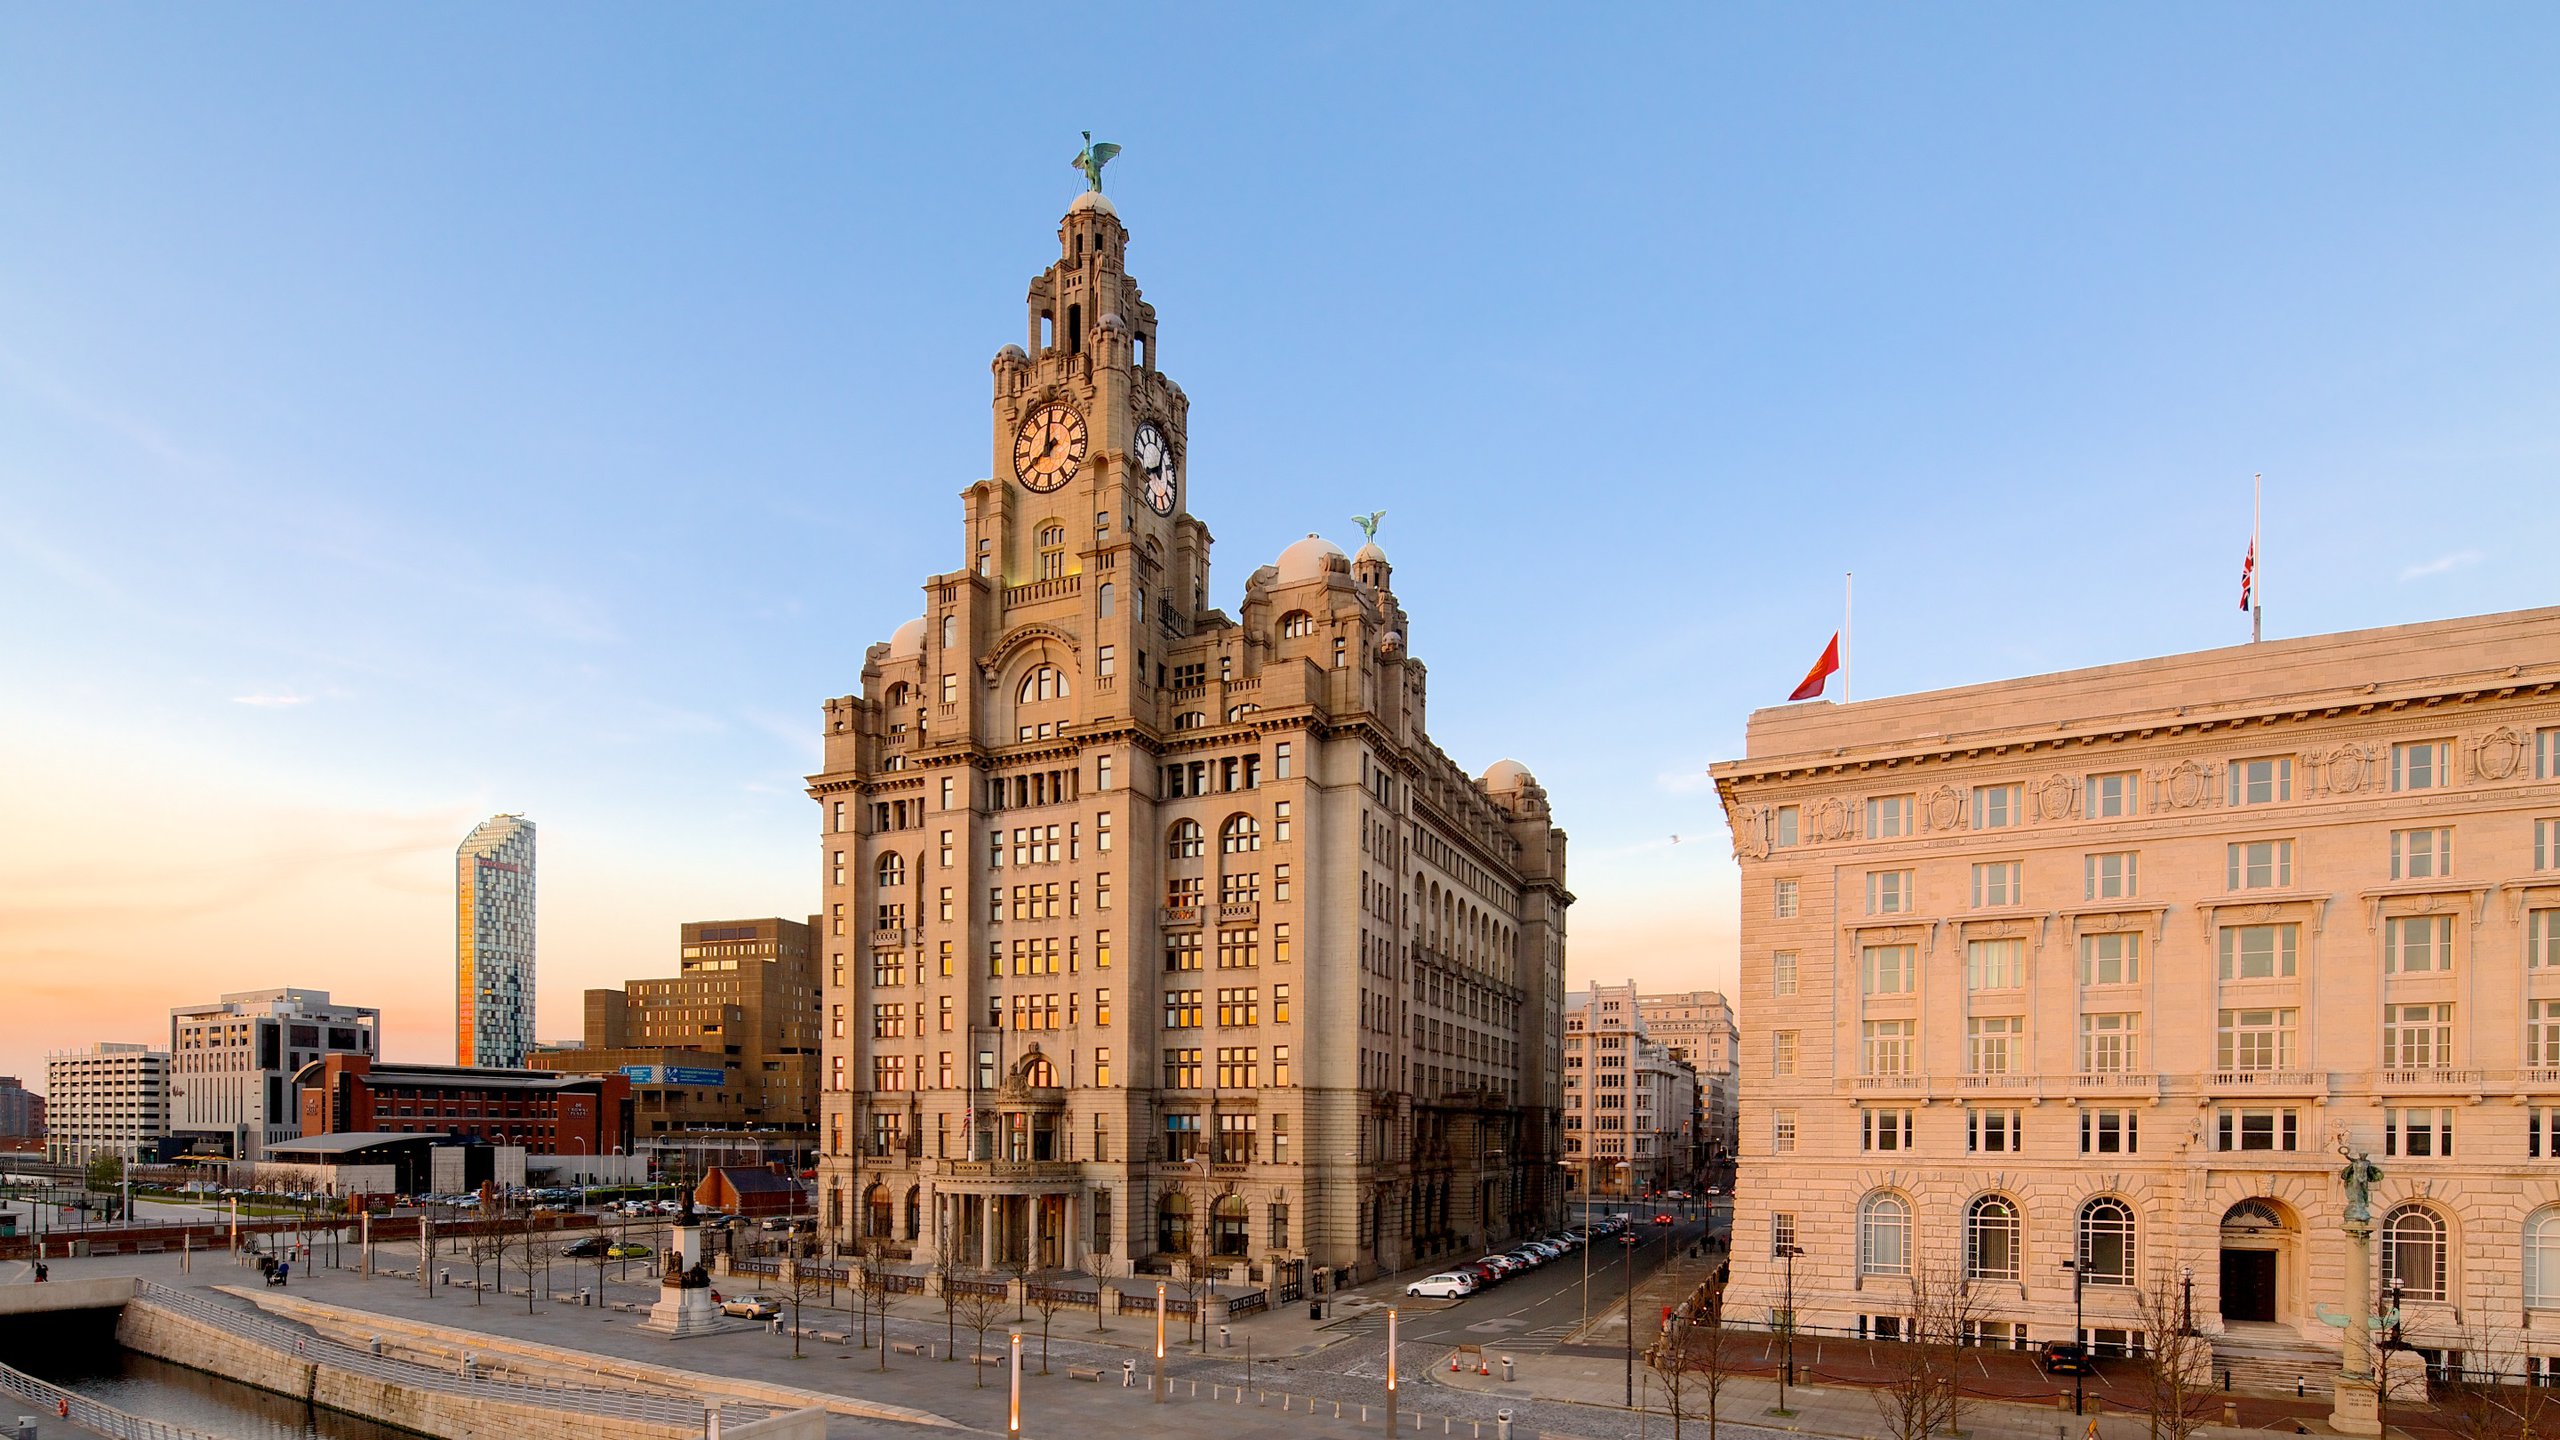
x=2110, y=965
x=1153, y=933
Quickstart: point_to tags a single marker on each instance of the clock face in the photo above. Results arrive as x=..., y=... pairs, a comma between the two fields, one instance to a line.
x=1049, y=446
x=1155, y=464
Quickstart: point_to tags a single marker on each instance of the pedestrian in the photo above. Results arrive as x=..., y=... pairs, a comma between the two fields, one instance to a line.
x=284, y=1273
x=44, y=1272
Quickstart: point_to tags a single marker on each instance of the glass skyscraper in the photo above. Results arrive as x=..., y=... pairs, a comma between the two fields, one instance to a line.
x=493, y=943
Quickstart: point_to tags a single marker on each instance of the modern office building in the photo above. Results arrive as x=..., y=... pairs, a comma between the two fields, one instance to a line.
x=493, y=943
x=1153, y=929
x=730, y=1044
x=1698, y=1026
x=2110, y=967
x=1630, y=1105
x=542, y=1113
x=109, y=1099
x=21, y=1111
x=232, y=1064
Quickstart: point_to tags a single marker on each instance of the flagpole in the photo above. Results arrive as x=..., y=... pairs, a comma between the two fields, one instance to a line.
x=1848, y=609
x=2258, y=575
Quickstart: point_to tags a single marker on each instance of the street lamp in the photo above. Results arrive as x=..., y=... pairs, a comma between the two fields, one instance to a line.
x=2186, y=1299
x=1787, y=1368
x=1159, y=1342
x=1632, y=1251
x=1391, y=1372
x=2384, y=1348
x=2080, y=1371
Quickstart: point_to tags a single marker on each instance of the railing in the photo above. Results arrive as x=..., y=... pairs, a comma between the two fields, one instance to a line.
x=261, y=1329
x=1251, y=1303
x=2431, y=1077
x=896, y=937
x=984, y=1289
x=898, y=1282
x=1239, y=684
x=1247, y=913
x=1999, y=1082
x=1062, y=1295
x=1049, y=589
x=2116, y=1080
x=1008, y=1169
x=1181, y=916
x=2266, y=1079
x=88, y=1413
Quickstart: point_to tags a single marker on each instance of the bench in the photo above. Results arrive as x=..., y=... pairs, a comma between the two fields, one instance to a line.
x=1076, y=1373
x=980, y=1357
x=922, y=1349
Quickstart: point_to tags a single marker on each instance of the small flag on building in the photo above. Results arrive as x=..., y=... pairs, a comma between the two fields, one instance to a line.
x=2249, y=574
x=1822, y=670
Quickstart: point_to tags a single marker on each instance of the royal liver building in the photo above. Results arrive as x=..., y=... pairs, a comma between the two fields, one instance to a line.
x=1154, y=931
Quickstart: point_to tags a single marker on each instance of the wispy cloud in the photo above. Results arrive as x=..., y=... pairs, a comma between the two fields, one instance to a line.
x=2443, y=564
x=271, y=702
x=1684, y=782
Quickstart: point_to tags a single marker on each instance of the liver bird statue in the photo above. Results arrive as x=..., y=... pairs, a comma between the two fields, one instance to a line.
x=1369, y=523
x=1092, y=158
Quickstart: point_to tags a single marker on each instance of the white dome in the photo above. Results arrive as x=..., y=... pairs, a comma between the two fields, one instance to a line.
x=1371, y=552
x=1507, y=775
x=907, y=639
x=1309, y=559
x=1092, y=200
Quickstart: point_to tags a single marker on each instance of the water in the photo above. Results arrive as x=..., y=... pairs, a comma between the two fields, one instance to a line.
x=79, y=1354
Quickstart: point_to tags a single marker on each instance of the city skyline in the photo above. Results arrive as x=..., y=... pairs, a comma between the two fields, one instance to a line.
x=293, y=402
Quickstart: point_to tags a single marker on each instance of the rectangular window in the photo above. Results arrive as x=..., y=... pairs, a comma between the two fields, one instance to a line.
x=2111, y=1043
x=2542, y=1033
x=2546, y=753
x=1889, y=1047
x=2109, y=876
x=1889, y=817
x=2421, y=854
x=1782, y=1132
x=1888, y=969
x=2255, y=1130
x=2417, y=944
x=1786, y=826
x=1280, y=944
x=1889, y=892
x=2546, y=844
x=1281, y=765
x=2110, y=1132
x=1995, y=964
x=1991, y=1043
x=1782, y=1053
x=1993, y=1132
x=946, y=849
x=1785, y=900
x=1182, y=951
x=1782, y=1233
x=2112, y=796
x=1997, y=883
x=2262, y=782
x=1101, y=1068
x=1182, y=1072
x=1181, y=1009
x=1884, y=1130
x=2258, y=865
x=2425, y=765
x=1997, y=807
x=2111, y=959
x=2418, y=1134
x=1782, y=973
x=1279, y=1076
x=1280, y=820
x=2258, y=952
x=2255, y=1040
x=2417, y=1037
x=950, y=689
x=2542, y=939
x=2542, y=1137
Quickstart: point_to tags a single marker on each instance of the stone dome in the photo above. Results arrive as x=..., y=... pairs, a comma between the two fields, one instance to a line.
x=907, y=639
x=1507, y=775
x=1012, y=352
x=1310, y=559
x=1093, y=200
x=1370, y=553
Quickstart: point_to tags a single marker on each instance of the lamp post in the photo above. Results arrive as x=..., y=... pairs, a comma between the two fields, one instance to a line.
x=1013, y=1401
x=1391, y=1372
x=1787, y=1367
x=2079, y=1372
x=1632, y=1251
x=1159, y=1342
x=2384, y=1348
x=2186, y=1299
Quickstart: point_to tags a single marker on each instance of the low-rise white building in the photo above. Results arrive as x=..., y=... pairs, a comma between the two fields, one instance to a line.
x=109, y=1099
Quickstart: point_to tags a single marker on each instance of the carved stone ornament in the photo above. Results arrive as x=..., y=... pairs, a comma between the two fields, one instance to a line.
x=1944, y=808
x=2343, y=771
x=2185, y=786
x=1831, y=819
x=1750, y=826
x=2500, y=755
x=2056, y=798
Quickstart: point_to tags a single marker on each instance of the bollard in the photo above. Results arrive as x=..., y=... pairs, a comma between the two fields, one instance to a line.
x=377, y=1345
x=1506, y=1367
x=1226, y=1340
x=1128, y=1374
x=1502, y=1424
x=2231, y=1414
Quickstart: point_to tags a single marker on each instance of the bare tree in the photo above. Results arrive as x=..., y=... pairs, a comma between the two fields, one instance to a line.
x=877, y=1294
x=1696, y=1359
x=2178, y=1392
x=1924, y=1393
x=533, y=1257
x=2490, y=1396
x=980, y=1309
x=486, y=1245
x=1047, y=1299
x=946, y=1275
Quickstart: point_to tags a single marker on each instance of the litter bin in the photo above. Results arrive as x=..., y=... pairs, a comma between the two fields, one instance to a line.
x=1226, y=1341
x=1128, y=1374
x=1506, y=1367
x=1502, y=1424
x=1315, y=1309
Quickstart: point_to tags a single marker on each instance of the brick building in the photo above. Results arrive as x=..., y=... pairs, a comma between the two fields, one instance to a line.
x=545, y=1114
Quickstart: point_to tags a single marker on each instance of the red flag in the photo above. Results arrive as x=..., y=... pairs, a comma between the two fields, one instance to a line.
x=2249, y=572
x=1822, y=670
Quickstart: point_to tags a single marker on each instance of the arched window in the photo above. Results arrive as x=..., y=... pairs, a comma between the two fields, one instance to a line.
x=1045, y=682
x=2542, y=1260
x=950, y=631
x=2106, y=1242
x=1227, y=1225
x=1991, y=1239
x=2413, y=1252
x=1173, y=1224
x=893, y=870
x=876, y=1212
x=1053, y=551
x=897, y=697
x=1242, y=835
x=1042, y=1075
x=1884, y=1235
x=1185, y=841
x=1297, y=622
x=1190, y=720
x=915, y=1210
x=1238, y=712
x=1106, y=600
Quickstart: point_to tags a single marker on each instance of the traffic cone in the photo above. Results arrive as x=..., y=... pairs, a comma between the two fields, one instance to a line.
x=1483, y=1367
x=1453, y=1362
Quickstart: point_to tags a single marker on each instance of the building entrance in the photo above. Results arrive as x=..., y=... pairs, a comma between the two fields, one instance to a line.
x=2249, y=1285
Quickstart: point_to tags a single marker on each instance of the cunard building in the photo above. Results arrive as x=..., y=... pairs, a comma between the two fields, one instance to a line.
x=1153, y=931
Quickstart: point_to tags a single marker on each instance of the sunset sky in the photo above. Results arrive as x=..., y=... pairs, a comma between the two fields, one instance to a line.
x=409, y=414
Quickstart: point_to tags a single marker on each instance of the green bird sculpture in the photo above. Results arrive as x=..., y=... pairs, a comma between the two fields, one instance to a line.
x=1093, y=157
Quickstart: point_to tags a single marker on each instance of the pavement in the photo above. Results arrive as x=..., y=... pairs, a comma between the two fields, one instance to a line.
x=1281, y=1373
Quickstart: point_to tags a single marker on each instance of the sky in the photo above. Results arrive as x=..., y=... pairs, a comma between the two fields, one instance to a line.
x=412, y=413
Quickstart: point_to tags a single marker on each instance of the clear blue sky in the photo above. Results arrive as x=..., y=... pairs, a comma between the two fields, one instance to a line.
x=409, y=413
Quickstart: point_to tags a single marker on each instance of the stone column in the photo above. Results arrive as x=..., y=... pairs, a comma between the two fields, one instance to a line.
x=2356, y=1409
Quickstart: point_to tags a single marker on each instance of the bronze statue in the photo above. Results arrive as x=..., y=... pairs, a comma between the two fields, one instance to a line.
x=1369, y=523
x=1092, y=158
x=2360, y=1174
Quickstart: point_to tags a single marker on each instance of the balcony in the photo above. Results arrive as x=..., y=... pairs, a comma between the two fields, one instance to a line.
x=1057, y=587
x=1178, y=917
x=1007, y=1170
x=2119, y=1081
x=2268, y=1080
x=896, y=937
x=2430, y=1079
x=1247, y=913
x=1998, y=1082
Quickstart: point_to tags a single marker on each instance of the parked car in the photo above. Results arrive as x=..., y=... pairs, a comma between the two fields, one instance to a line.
x=1545, y=1250
x=1447, y=1285
x=587, y=1249
x=2066, y=1357
x=1503, y=1265
x=1528, y=1257
x=629, y=1250
x=1484, y=1274
x=751, y=1307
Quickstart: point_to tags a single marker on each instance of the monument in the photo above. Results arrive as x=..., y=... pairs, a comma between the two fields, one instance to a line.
x=685, y=1308
x=2356, y=1409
